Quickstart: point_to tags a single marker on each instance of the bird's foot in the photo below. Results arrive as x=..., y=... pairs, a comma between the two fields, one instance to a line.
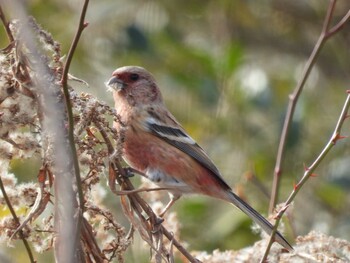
x=129, y=172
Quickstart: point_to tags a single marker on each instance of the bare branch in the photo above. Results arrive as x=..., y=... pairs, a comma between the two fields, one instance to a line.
x=309, y=171
x=338, y=26
x=13, y=213
x=293, y=98
x=64, y=83
x=6, y=25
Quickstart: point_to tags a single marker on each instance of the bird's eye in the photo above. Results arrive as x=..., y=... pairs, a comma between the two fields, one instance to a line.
x=134, y=76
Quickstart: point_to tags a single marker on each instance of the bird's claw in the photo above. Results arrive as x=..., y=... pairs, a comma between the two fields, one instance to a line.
x=128, y=172
x=157, y=221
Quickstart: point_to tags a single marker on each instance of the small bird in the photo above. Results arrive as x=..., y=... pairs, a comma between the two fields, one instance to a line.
x=157, y=146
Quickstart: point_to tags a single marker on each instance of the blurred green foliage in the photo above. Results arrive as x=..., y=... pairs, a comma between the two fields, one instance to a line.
x=225, y=69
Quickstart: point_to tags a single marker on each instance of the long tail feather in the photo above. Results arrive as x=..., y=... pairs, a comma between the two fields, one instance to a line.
x=259, y=219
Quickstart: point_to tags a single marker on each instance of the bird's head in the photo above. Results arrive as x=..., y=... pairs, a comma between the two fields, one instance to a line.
x=134, y=85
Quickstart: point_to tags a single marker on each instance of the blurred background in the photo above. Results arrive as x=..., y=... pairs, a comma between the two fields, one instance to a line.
x=226, y=69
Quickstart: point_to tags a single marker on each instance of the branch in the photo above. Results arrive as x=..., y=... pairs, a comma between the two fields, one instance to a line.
x=64, y=80
x=82, y=25
x=6, y=25
x=339, y=26
x=293, y=98
x=13, y=213
x=309, y=171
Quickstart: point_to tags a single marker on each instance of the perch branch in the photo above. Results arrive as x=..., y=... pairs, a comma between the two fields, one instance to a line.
x=136, y=199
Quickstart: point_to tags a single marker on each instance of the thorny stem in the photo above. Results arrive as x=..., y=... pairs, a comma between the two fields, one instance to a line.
x=324, y=36
x=293, y=98
x=64, y=83
x=309, y=170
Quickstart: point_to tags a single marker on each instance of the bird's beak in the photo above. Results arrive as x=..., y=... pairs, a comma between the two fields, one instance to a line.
x=115, y=83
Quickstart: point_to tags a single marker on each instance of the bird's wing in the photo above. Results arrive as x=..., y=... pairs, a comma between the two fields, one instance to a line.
x=178, y=138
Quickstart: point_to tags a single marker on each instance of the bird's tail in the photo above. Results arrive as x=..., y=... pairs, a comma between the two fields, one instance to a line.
x=259, y=219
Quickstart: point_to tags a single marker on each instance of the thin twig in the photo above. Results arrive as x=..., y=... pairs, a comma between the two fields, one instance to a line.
x=309, y=171
x=6, y=25
x=142, y=189
x=179, y=246
x=91, y=243
x=339, y=26
x=82, y=25
x=64, y=80
x=293, y=98
x=13, y=213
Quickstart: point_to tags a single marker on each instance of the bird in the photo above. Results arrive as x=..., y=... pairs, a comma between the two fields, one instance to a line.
x=158, y=147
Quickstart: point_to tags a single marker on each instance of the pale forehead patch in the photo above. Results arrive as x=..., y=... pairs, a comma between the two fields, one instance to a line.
x=134, y=69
